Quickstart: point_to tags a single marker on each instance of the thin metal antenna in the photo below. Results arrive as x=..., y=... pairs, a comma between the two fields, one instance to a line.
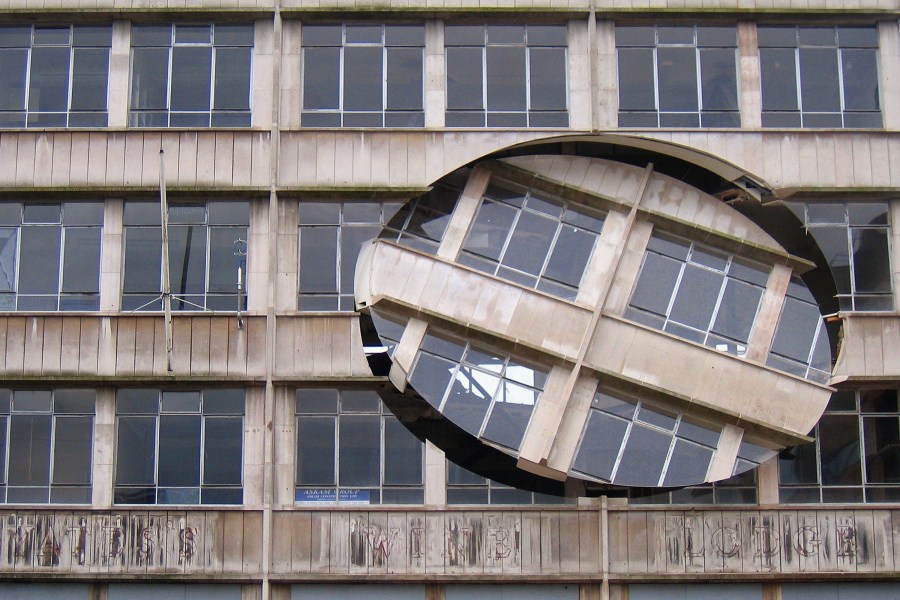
x=166, y=285
x=240, y=251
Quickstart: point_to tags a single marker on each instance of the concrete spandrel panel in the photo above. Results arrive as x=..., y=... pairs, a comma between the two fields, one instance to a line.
x=503, y=302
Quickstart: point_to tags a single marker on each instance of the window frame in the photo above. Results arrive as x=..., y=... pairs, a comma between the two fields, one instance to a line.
x=336, y=492
x=163, y=117
x=485, y=116
x=64, y=300
x=32, y=118
x=204, y=415
x=343, y=291
x=209, y=299
x=657, y=117
x=7, y=412
x=340, y=115
x=798, y=116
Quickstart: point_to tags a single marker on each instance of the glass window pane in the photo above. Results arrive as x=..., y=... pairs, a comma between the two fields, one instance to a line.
x=719, y=78
x=643, y=457
x=321, y=78
x=510, y=414
x=222, y=451
x=677, y=72
x=600, y=445
x=13, y=65
x=636, y=79
x=187, y=259
x=316, y=451
x=570, y=255
x=352, y=239
x=778, y=79
x=402, y=454
x=839, y=449
x=29, y=450
x=796, y=329
x=547, y=68
x=223, y=264
x=179, y=451
x=143, y=259
x=360, y=451
x=819, y=83
x=89, y=79
x=232, y=87
x=149, y=78
x=405, y=78
x=657, y=281
x=39, y=260
x=860, y=79
x=318, y=259
x=696, y=297
x=881, y=436
x=464, y=79
x=505, y=78
x=871, y=260
x=8, y=253
x=490, y=229
x=688, y=464
x=469, y=398
x=737, y=310
x=530, y=242
x=431, y=376
x=191, y=77
x=49, y=85
x=136, y=451
x=81, y=260
x=363, y=79
x=72, y=450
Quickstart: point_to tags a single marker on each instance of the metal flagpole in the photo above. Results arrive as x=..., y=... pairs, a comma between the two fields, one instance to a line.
x=166, y=286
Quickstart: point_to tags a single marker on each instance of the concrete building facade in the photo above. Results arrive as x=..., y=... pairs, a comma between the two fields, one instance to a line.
x=667, y=232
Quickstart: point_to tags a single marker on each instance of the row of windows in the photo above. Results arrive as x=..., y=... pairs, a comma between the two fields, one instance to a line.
x=373, y=75
x=186, y=447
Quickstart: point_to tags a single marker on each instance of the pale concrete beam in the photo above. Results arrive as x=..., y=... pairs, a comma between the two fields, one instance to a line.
x=112, y=256
x=435, y=74
x=748, y=75
x=726, y=453
x=405, y=353
x=463, y=214
x=889, y=55
x=769, y=312
x=119, y=74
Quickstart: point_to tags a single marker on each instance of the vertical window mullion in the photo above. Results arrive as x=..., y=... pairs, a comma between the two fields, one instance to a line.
x=656, y=82
x=798, y=82
x=62, y=261
x=509, y=235
x=718, y=304
x=840, y=75
x=71, y=74
x=28, y=80
x=675, y=288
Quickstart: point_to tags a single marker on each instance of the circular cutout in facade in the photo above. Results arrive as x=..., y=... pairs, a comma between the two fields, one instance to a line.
x=597, y=321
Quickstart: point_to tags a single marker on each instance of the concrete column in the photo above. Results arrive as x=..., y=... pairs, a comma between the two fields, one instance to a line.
x=748, y=76
x=894, y=207
x=103, y=468
x=119, y=78
x=606, y=88
x=767, y=482
x=258, y=257
x=262, y=86
x=581, y=101
x=112, y=259
x=255, y=434
x=435, y=477
x=285, y=443
x=291, y=76
x=287, y=256
x=889, y=56
x=435, y=74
